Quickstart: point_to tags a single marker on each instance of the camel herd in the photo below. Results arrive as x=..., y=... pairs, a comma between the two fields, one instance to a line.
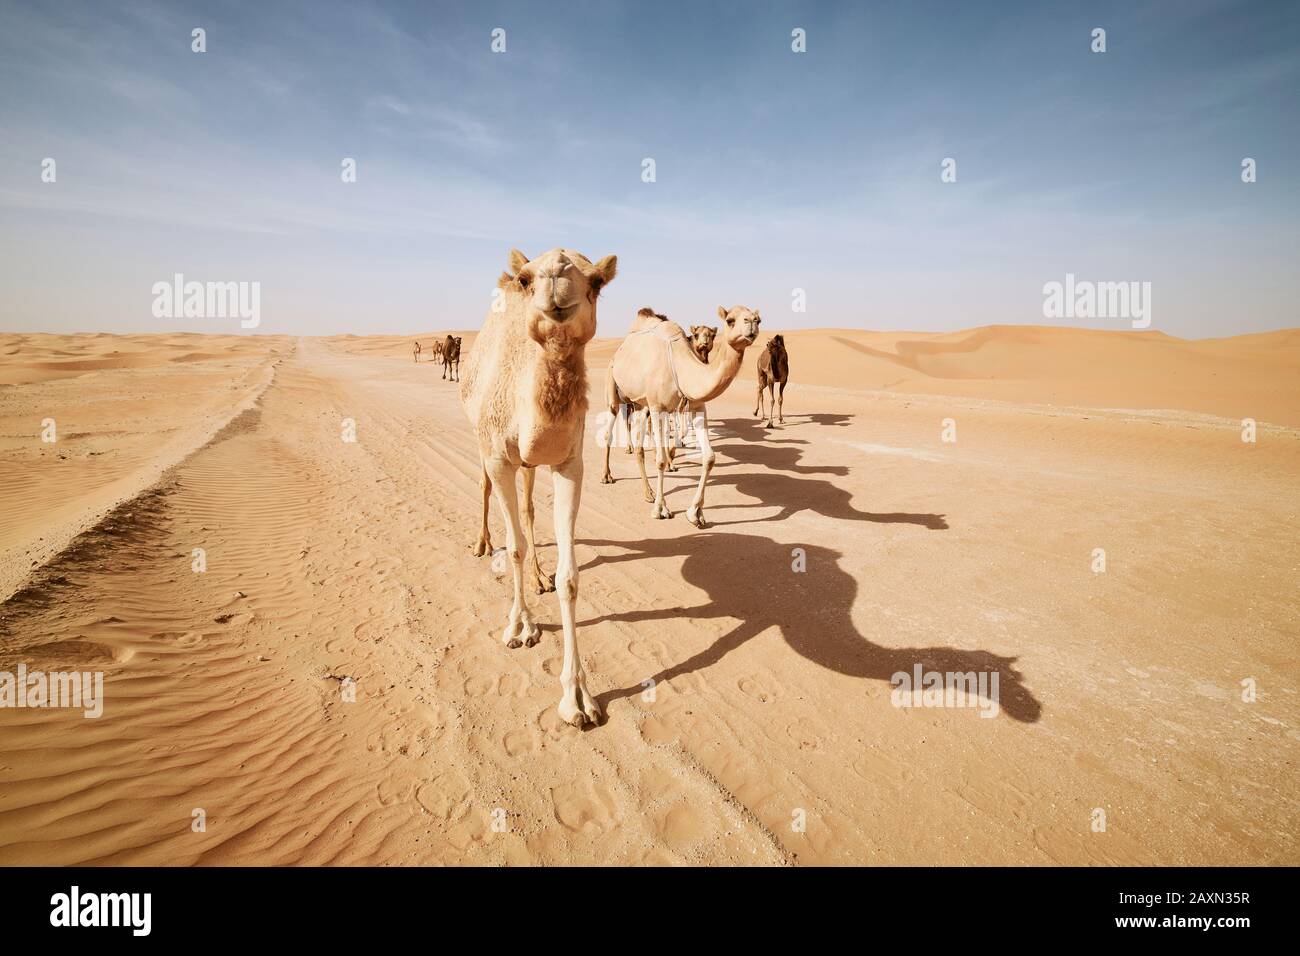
x=525, y=393
x=449, y=352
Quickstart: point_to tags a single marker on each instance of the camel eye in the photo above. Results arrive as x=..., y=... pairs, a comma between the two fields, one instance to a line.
x=525, y=279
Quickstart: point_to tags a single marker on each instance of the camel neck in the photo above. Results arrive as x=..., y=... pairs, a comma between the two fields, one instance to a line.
x=703, y=383
x=561, y=377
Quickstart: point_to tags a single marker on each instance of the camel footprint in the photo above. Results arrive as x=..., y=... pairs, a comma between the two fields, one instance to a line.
x=584, y=807
x=761, y=687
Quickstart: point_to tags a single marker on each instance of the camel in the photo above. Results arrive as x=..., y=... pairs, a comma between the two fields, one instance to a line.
x=417, y=351
x=436, y=350
x=773, y=369
x=525, y=393
x=655, y=368
x=451, y=357
x=702, y=337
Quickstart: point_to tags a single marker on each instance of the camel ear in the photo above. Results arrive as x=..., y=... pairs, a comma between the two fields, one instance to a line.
x=604, y=272
x=517, y=261
x=722, y=313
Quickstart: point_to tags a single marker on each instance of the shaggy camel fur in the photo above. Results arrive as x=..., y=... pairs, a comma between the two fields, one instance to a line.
x=773, y=370
x=525, y=392
x=451, y=357
x=655, y=368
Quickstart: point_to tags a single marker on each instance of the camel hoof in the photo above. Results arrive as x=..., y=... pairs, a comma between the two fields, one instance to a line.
x=480, y=548
x=579, y=715
x=521, y=632
x=697, y=520
x=571, y=714
x=544, y=583
x=650, y=497
x=607, y=479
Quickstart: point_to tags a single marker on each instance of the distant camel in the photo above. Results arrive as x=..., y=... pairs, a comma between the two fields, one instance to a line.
x=773, y=370
x=702, y=337
x=451, y=357
x=655, y=368
x=525, y=394
x=417, y=351
x=436, y=350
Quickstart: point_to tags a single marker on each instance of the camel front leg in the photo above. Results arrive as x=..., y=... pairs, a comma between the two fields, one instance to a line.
x=771, y=402
x=577, y=706
x=657, y=427
x=670, y=442
x=539, y=579
x=484, y=544
x=520, y=629
x=640, y=461
x=615, y=418
x=635, y=429
x=695, y=513
x=780, y=403
x=758, y=402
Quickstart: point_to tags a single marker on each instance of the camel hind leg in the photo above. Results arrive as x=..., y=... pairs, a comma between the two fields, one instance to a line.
x=771, y=401
x=635, y=429
x=695, y=513
x=640, y=456
x=780, y=403
x=658, y=421
x=484, y=544
x=615, y=418
x=537, y=578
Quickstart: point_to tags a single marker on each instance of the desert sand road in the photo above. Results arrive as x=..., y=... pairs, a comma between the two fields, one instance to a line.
x=744, y=669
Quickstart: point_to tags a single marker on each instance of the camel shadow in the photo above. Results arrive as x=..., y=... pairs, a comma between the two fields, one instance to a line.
x=771, y=480
x=752, y=579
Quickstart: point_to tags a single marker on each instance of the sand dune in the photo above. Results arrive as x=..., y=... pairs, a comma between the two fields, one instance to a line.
x=330, y=561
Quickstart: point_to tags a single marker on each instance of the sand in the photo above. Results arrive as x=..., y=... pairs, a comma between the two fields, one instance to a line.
x=770, y=737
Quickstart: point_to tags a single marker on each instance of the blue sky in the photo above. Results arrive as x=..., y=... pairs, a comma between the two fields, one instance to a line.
x=775, y=170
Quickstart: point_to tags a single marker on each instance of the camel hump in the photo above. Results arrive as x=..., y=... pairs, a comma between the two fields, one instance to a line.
x=649, y=319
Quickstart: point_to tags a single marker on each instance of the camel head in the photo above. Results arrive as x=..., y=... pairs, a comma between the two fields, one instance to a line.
x=776, y=344
x=742, y=326
x=702, y=340
x=560, y=288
